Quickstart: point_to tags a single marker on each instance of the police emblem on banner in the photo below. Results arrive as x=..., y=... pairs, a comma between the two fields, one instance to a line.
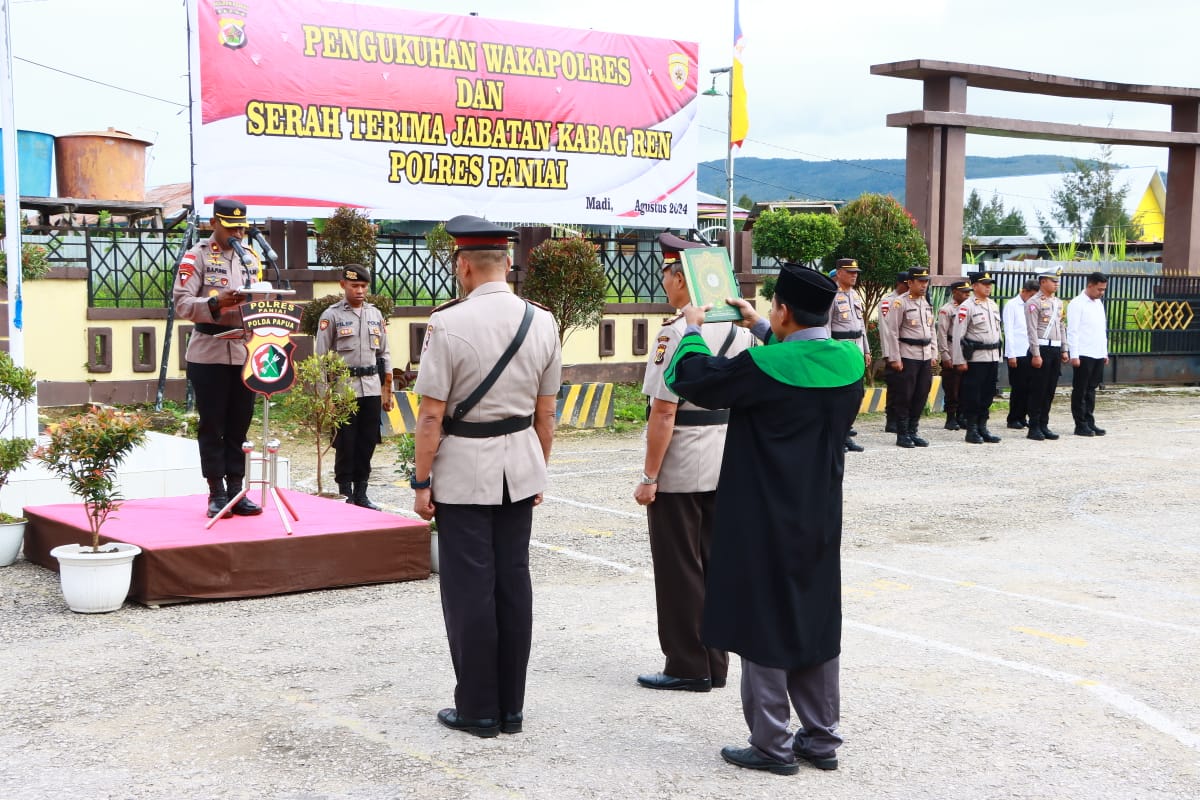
x=270, y=324
x=231, y=23
x=677, y=65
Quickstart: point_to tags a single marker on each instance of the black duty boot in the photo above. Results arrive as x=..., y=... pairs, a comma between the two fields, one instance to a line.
x=244, y=507
x=903, y=439
x=913, y=424
x=952, y=421
x=1035, y=432
x=217, y=498
x=360, y=498
x=984, y=433
x=346, y=490
x=1049, y=434
x=1083, y=430
x=973, y=436
x=890, y=425
x=853, y=446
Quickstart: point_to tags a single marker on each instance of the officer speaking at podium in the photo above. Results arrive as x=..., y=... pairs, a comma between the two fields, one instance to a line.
x=209, y=288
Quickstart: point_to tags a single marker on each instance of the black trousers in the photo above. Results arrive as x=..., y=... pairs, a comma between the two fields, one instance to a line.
x=908, y=390
x=1018, y=398
x=355, y=442
x=978, y=385
x=680, y=526
x=1083, y=390
x=952, y=381
x=225, y=407
x=487, y=603
x=1042, y=382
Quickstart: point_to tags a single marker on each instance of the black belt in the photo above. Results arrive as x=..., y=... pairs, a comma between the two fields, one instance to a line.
x=846, y=334
x=974, y=345
x=210, y=329
x=362, y=372
x=916, y=342
x=698, y=418
x=484, y=430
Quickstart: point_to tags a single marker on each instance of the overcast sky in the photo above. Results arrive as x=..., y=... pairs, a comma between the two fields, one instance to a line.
x=807, y=65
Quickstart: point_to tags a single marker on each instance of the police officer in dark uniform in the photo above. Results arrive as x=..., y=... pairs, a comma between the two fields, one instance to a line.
x=209, y=289
x=357, y=331
x=483, y=437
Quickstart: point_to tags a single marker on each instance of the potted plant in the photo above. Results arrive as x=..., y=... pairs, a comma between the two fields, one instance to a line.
x=17, y=387
x=347, y=237
x=85, y=451
x=321, y=400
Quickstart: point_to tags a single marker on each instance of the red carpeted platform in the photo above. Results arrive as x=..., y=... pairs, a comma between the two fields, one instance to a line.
x=332, y=544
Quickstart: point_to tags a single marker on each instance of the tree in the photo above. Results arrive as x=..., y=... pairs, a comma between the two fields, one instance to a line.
x=884, y=238
x=1089, y=206
x=798, y=238
x=745, y=201
x=566, y=276
x=991, y=219
x=321, y=400
x=348, y=237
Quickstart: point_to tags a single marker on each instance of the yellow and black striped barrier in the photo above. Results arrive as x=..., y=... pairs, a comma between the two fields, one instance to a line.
x=875, y=399
x=580, y=405
x=585, y=405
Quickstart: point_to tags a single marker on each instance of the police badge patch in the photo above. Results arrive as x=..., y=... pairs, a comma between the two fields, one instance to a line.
x=660, y=353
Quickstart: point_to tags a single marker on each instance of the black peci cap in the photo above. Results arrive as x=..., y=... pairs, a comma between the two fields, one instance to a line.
x=808, y=293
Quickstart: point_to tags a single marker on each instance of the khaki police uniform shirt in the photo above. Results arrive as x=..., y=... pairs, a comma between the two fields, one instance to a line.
x=360, y=338
x=692, y=462
x=846, y=315
x=945, y=329
x=463, y=341
x=1044, y=321
x=977, y=320
x=203, y=271
x=885, y=305
x=909, y=319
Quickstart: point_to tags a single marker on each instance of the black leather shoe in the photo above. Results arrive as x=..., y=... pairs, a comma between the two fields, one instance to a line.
x=215, y=503
x=1081, y=430
x=511, y=721
x=483, y=728
x=852, y=432
x=1018, y=425
x=853, y=446
x=247, y=508
x=748, y=758
x=1035, y=433
x=661, y=680
x=820, y=762
x=1098, y=431
x=718, y=683
x=362, y=501
x=1049, y=434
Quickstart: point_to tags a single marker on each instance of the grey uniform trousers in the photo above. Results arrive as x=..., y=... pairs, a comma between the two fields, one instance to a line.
x=816, y=694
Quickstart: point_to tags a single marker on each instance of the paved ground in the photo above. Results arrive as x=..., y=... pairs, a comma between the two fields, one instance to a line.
x=1022, y=621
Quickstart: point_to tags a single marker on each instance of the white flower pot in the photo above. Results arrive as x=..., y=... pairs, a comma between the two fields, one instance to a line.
x=11, y=536
x=93, y=583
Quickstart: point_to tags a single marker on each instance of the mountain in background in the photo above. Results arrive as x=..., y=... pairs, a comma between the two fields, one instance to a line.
x=794, y=178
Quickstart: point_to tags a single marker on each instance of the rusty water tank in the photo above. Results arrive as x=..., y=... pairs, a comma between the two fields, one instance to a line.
x=101, y=165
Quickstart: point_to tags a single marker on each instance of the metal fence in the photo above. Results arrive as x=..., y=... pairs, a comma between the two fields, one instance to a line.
x=127, y=267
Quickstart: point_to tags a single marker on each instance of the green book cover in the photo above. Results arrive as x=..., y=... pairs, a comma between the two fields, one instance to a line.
x=710, y=279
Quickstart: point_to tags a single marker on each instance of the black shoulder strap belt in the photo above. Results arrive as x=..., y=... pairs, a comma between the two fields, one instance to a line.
x=728, y=340
x=455, y=426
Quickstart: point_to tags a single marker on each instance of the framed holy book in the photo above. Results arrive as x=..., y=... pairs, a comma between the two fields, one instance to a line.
x=709, y=277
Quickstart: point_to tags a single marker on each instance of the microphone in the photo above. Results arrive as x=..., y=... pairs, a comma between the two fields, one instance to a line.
x=268, y=251
x=247, y=259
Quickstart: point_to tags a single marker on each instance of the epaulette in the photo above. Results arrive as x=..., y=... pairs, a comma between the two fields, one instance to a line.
x=448, y=304
x=672, y=320
x=536, y=304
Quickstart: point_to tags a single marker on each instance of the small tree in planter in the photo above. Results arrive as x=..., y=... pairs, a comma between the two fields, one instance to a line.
x=566, y=276
x=85, y=451
x=310, y=317
x=321, y=400
x=347, y=237
x=17, y=387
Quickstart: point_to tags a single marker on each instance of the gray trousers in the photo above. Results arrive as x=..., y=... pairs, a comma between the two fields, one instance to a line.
x=815, y=693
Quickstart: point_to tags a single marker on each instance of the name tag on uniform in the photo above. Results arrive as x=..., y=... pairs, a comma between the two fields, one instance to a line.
x=346, y=331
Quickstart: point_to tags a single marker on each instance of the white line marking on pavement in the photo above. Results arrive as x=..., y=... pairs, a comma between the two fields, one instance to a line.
x=1113, y=697
x=628, y=514
x=1047, y=601
x=591, y=472
x=578, y=556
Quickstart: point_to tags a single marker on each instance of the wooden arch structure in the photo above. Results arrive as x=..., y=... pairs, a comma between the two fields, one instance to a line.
x=936, y=151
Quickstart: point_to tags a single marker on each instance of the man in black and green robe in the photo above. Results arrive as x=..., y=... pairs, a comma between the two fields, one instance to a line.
x=774, y=586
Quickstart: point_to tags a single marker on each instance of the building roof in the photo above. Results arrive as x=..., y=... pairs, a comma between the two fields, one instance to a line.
x=1032, y=193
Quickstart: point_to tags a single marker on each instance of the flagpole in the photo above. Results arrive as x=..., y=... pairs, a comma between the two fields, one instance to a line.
x=732, y=234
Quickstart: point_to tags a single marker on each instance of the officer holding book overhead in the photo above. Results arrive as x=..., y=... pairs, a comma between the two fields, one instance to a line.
x=209, y=289
x=491, y=368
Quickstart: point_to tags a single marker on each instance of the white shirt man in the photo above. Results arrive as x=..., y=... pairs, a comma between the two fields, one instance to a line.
x=1087, y=343
x=1016, y=353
